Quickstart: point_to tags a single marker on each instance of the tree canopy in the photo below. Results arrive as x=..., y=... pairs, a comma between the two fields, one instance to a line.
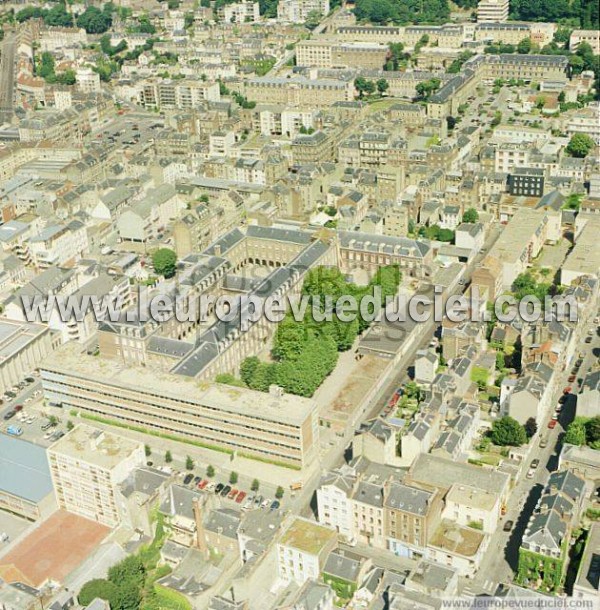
x=507, y=431
x=402, y=12
x=95, y=21
x=164, y=261
x=470, y=215
x=580, y=145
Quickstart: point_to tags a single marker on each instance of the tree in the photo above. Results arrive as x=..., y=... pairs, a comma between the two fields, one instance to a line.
x=255, y=485
x=530, y=427
x=451, y=122
x=210, y=471
x=147, y=450
x=580, y=145
x=168, y=457
x=524, y=47
x=99, y=587
x=360, y=84
x=53, y=420
x=58, y=17
x=507, y=431
x=425, y=88
x=500, y=362
x=189, y=463
x=470, y=215
x=130, y=570
x=497, y=119
x=94, y=21
x=576, y=433
x=382, y=86
x=313, y=19
x=164, y=261
x=233, y=477
x=592, y=430
x=279, y=492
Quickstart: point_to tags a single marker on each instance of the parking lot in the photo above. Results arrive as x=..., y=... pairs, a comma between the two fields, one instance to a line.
x=24, y=414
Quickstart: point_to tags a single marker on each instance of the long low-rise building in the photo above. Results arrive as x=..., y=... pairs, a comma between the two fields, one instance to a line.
x=25, y=482
x=272, y=427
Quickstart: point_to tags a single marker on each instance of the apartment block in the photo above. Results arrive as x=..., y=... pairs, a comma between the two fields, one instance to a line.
x=87, y=466
x=296, y=11
x=303, y=550
x=591, y=37
x=520, y=242
x=316, y=93
x=23, y=345
x=495, y=11
x=331, y=54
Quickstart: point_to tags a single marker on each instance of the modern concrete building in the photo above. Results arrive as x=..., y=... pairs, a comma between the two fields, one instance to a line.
x=87, y=466
x=492, y=11
x=23, y=345
x=273, y=427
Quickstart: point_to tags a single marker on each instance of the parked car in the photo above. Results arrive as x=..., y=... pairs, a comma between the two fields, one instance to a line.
x=508, y=526
x=543, y=443
x=535, y=463
x=588, y=339
x=232, y=494
x=249, y=503
x=240, y=497
x=18, y=408
x=266, y=502
x=47, y=426
x=258, y=501
x=275, y=505
x=225, y=491
x=572, y=378
x=567, y=390
x=197, y=481
x=552, y=424
x=14, y=430
x=203, y=483
x=530, y=473
x=9, y=415
x=29, y=379
x=219, y=488
x=188, y=479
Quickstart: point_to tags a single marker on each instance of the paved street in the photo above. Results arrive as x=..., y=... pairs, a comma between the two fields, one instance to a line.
x=501, y=560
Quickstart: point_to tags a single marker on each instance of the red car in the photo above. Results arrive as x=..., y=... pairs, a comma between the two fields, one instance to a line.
x=552, y=424
x=572, y=378
x=232, y=494
x=567, y=390
x=202, y=484
x=240, y=497
x=18, y=407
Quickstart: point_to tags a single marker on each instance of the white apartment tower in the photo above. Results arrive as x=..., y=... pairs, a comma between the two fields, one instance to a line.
x=87, y=465
x=298, y=10
x=492, y=11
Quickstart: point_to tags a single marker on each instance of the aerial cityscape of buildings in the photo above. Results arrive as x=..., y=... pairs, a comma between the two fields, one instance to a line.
x=312, y=152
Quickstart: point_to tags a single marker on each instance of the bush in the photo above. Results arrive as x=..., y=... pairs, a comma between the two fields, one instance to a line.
x=99, y=587
x=255, y=485
x=210, y=471
x=189, y=463
x=233, y=477
x=279, y=492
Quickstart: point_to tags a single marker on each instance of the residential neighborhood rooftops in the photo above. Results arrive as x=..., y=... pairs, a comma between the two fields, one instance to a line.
x=308, y=536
